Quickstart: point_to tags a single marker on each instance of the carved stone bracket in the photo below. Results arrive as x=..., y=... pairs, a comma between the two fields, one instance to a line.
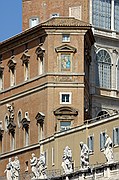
x=40, y=118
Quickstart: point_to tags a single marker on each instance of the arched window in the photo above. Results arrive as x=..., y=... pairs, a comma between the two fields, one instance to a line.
x=118, y=74
x=103, y=60
x=103, y=114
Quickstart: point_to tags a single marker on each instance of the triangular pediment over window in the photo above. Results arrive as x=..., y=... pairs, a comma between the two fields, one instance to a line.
x=11, y=63
x=40, y=118
x=25, y=122
x=65, y=48
x=25, y=57
x=40, y=51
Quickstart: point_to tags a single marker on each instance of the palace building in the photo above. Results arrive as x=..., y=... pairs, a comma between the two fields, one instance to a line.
x=59, y=83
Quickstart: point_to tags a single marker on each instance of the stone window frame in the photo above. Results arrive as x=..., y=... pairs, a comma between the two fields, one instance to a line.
x=65, y=37
x=12, y=69
x=113, y=12
x=91, y=143
x=66, y=93
x=19, y=120
x=61, y=51
x=31, y=19
x=116, y=136
x=102, y=140
x=40, y=58
x=65, y=114
x=101, y=64
x=25, y=62
x=1, y=77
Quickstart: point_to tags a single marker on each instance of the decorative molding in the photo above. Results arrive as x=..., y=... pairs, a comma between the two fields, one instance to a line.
x=65, y=48
x=11, y=63
x=65, y=113
x=25, y=58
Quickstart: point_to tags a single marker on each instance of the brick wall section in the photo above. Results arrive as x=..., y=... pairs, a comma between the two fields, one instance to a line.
x=44, y=9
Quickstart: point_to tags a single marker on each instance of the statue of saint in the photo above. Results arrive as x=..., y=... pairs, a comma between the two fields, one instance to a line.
x=34, y=166
x=42, y=166
x=67, y=161
x=84, y=156
x=108, y=152
x=16, y=168
x=9, y=170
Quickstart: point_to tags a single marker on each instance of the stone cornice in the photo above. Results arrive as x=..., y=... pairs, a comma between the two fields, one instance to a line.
x=40, y=30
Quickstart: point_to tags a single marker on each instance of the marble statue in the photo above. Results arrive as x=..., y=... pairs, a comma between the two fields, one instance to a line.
x=67, y=161
x=16, y=168
x=11, y=111
x=42, y=166
x=108, y=151
x=9, y=170
x=12, y=169
x=84, y=156
x=34, y=166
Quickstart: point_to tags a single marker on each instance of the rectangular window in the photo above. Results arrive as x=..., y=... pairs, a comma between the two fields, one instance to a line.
x=33, y=21
x=55, y=15
x=12, y=76
x=116, y=136
x=53, y=156
x=101, y=13
x=116, y=14
x=1, y=80
x=64, y=125
x=91, y=143
x=26, y=71
x=65, y=38
x=65, y=98
x=102, y=140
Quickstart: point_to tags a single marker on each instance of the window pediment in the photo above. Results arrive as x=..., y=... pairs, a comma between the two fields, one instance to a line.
x=40, y=51
x=25, y=57
x=11, y=63
x=25, y=122
x=65, y=113
x=40, y=118
x=65, y=48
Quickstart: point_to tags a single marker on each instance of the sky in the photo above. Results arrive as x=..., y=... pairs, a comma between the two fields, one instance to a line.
x=11, y=18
